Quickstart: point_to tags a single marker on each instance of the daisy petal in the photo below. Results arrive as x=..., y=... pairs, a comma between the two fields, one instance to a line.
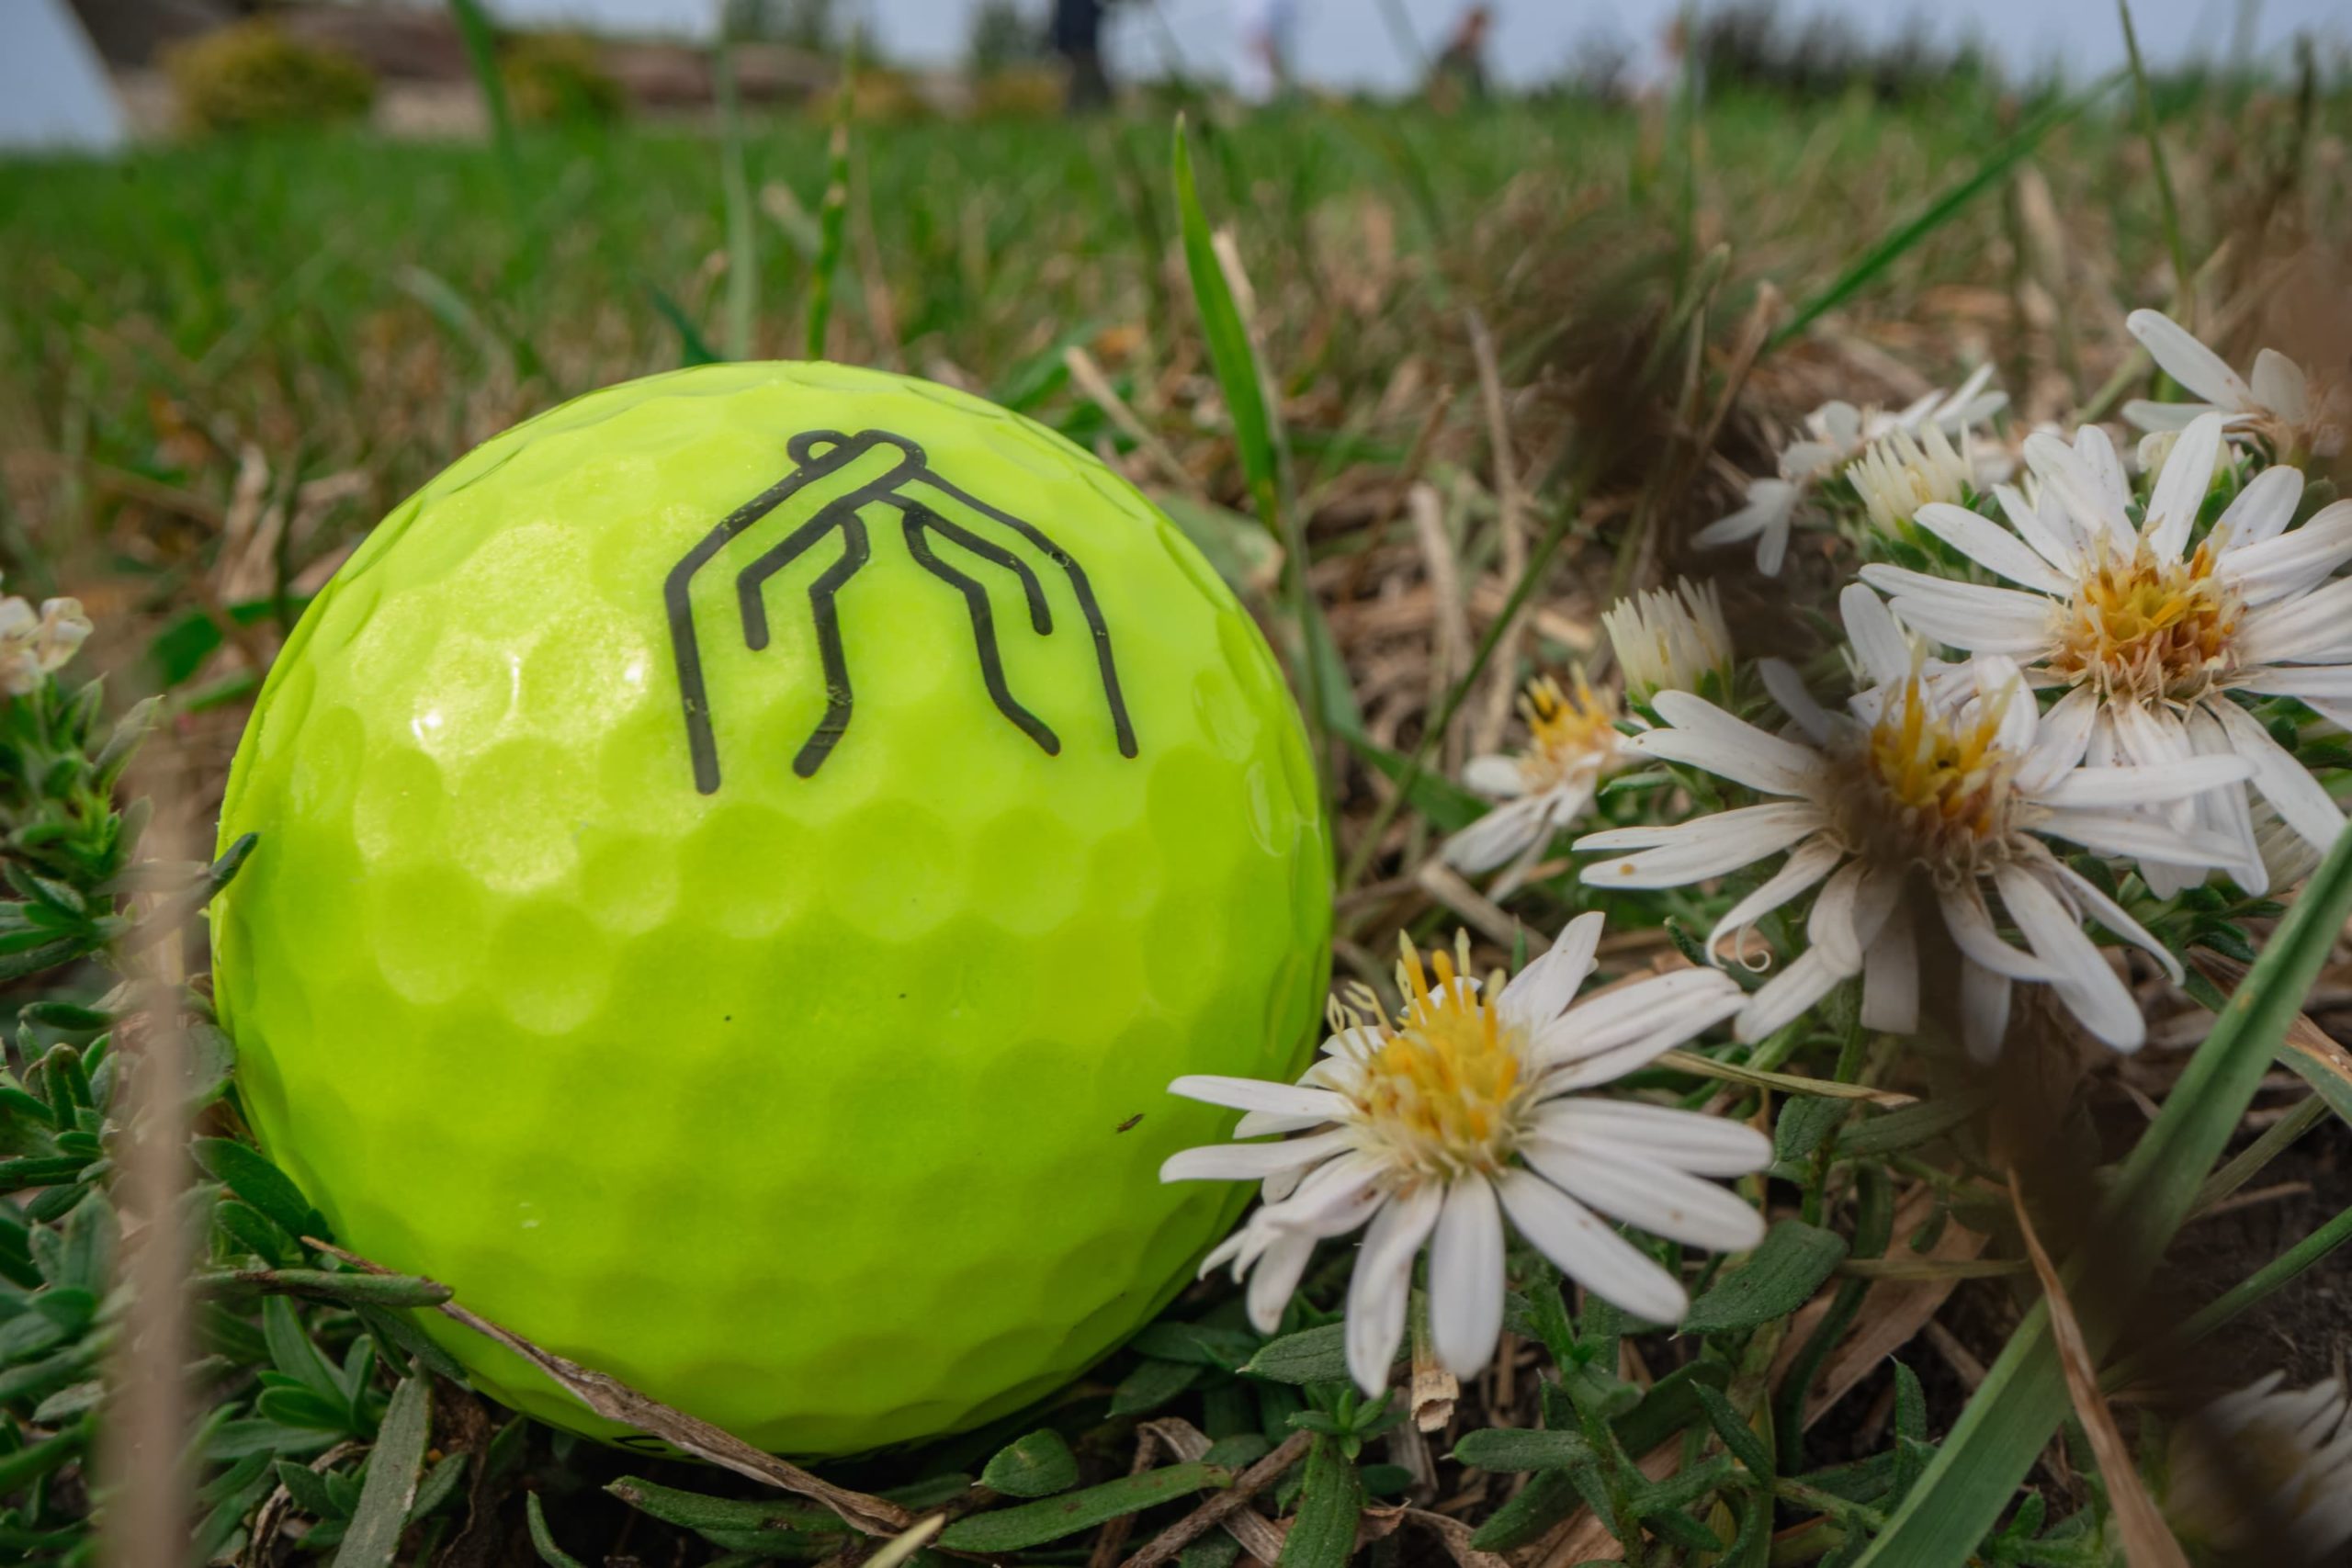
x=1687, y=1140
x=1652, y=1198
x=1249, y=1162
x=2181, y=489
x=1542, y=991
x=2189, y=362
x=1590, y=1253
x=1708, y=846
x=1256, y=1094
x=1466, y=1277
x=1382, y=1284
x=1992, y=546
x=2298, y=798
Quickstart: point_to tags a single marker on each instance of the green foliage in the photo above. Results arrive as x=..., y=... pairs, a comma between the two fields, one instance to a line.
x=559, y=78
x=254, y=76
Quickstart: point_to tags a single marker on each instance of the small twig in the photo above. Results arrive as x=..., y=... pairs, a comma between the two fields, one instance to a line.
x=615, y=1400
x=1192, y=1525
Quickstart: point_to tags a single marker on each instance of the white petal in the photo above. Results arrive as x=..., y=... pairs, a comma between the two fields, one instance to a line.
x=1654, y=1198
x=1877, y=638
x=1542, y=991
x=2136, y=836
x=1979, y=941
x=2299, y=681
x=2060, y=741
x=2296, y=561
x=2047, y=528
x=1787, y=689
x=1965, y=615
x=1708, y=846
x=2180, y=490
x=1257, y=1094
x=2187, y=361
x=1273, y=1123
x=1501, y=834
x=2081, y=976
x=2143, y=414
x=1991, y=545
x=1891, y=977
x=2280, y=386
x=2312, y=629
x=2174, y=780
x=1382, y=1284
x=1466, y=1277
x=1627, y=1030
x=1687, y=1140
x=1249, y=1162
x=1273, y=1279
x=1335, y=1197
x=1589, y=1252
x=1849, y=910
x=1983, y=1011
x=1705, y=736
x=2261, y=512
x=1496, y=775
x=1806, y=865
x=2112, y=915
x=2298, y=798
x=1813, y=975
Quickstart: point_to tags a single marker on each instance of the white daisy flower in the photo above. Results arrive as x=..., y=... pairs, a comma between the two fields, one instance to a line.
x=1836, y=434
x=2296, y=414
x=2156, y=633
x=1925, y=795
x=2264, y=1468
x=1572, y=745
x=1466, y=1109
x=1669, y=640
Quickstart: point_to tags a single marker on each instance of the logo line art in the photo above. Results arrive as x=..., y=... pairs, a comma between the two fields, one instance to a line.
x=820, y=455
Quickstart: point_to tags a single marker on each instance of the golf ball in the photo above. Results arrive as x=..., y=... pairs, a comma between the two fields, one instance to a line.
x=742, y=856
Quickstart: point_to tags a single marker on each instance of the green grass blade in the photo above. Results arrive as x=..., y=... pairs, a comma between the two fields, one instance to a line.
x=2166, y=202
x=1234, y=360
x=1988, y=170
x=1977, y=1470
x=480, y=36
x=832, y=220
x=742, y=257
x=1230, y=353
x=392, y=1470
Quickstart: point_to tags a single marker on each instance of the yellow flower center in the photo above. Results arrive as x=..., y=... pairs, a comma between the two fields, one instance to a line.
x=1928, y=790
x=1568, y=732
x=1446, y=1091
x=2139, y=627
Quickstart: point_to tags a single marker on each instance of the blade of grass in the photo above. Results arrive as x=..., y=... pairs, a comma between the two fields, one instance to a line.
x=2242, y=1298
x=1939, y=212
x=480, y=37
x=832, y=217
x=2167, y=203
x=1234, y=360
x=742, y=257
x=1993, y=1444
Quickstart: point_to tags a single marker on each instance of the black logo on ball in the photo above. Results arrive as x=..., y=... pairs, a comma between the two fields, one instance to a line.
x=917, y=492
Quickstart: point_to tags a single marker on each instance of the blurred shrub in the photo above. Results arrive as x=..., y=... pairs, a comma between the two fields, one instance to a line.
x=1003, y=35
x=1028, y=92
x=252, y=76
x=559, y=78
x=879, y=96
x=1748, y=44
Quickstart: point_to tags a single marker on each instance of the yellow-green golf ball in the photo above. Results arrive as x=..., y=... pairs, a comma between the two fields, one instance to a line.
x=742, y=856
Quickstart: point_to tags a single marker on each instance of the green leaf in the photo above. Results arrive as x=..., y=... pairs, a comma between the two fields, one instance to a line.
x=1805, y=1124
x=1036, y=1466
x=2023, y=1397
x=694, y=1511
x=1230, y=353
x=1910, y=1125
x=309, y=1490
x=542, y=1541
x=1312, y=1355
x=1777, y=1278
x=1540, y=1504
x=291, y=1352
x=1331, y=1504
x=1739, y=1438
x=1152, y=1385
x=1034, y=1524
x=693, y=347
x=345, y=1289
x=247, y=1172
x=1443, y=804
x=1198, y=1344
x=1509, y=1449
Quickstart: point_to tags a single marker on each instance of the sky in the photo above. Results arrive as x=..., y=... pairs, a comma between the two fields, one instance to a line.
x=1348, y=43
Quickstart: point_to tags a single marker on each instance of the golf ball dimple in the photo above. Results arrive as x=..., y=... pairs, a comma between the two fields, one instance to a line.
x=742, y=856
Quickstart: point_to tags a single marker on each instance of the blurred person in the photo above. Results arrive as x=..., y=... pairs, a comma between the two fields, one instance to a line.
x=1268, y=29
x=1459, y=74
x=1077, y=37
